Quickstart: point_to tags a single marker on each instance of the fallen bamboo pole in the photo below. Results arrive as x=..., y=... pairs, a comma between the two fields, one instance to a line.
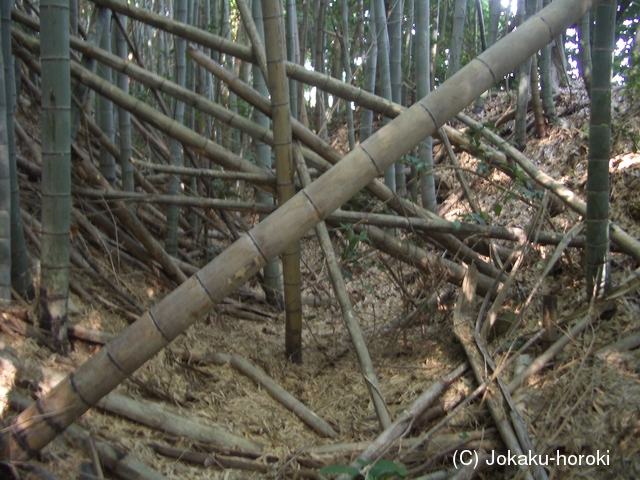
x=626, y=242
x=160, y=325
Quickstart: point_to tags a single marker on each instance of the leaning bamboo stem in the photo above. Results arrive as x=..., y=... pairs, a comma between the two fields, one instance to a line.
x=349, y=315
x=332, y=156
x=162, y=323
x=627, y=244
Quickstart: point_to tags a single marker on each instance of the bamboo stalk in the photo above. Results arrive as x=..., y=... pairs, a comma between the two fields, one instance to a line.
x=321, y=147
x=464, y=314
x=162, y=418
x=276, y=391
x=432, y=265
x=162, y=323
x=627, y=244
x=202, y=172
x=283, y=159
x=348, y=314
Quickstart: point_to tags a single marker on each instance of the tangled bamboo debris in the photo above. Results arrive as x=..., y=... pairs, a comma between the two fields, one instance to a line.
x=625, y=344
x=303, y=219
x=184, y=200
x=201, y=172
x=627, y=244
x=462, y=327
x=209, y=460
x=120, y=463
x=403, y=423
x=276, y=391
x=413, y=255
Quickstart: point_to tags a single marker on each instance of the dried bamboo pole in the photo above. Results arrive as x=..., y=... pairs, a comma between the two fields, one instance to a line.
x=403, y=423
x=626, y=242
x=42, y=422
x=254, y=37
x=201, y=172
x=349, y=315
x=118, y=462
x=276, y=391
x=462, y=326
x=432, y=265
x=273, y=18
x=164, y=419
x=322, y=148
x=182, y=200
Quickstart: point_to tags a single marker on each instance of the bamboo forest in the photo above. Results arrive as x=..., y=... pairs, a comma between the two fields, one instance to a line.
x=322, y=239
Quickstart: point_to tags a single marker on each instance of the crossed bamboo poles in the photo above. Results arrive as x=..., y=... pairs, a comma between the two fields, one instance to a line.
x=156, y=328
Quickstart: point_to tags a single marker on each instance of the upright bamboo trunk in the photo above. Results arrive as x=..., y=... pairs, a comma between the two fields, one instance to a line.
x=292, y=20
x=180, y=53
x=271, y=272
x=423, y=87
x=584, y=55
x=21, y=280
x=597, y=232
x=370, y=67
x=124, y=117
x=522, y=82
x=384, y=75
x=457, y=35
x=320, y=117
x=546, y=82
x=155, y=329
x=107, y=161
x=395, y=75
x=5, y=196
x=346, y=60
x=278, y=86
x=56, y=170
x=98, y=20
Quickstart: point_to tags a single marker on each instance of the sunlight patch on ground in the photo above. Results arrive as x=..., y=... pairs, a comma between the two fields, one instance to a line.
x=622, y=162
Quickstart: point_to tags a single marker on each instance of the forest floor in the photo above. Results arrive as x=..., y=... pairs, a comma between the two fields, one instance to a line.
x=586, y=401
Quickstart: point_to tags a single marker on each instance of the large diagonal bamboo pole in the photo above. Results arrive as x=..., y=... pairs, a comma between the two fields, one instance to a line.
x=154, y=330
x=326, y=151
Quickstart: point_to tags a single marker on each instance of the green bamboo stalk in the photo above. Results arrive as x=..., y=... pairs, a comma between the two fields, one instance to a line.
x=394, y=29
x=124, y=117
x=34, y=428
x=546, y=84
x=370, y=68
x=105, y=120
x=56, y=171
x=346, y=60
x=384, y=75
x=292, y=20
x=21, y=280
x=522, y=82
x=597, y=219
x=457, y=35
x=271, y=272
x=98, y=21
x=423, y=87
x=278, y=88
x=180, y=53
x=584, y=54
x=5, y=193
